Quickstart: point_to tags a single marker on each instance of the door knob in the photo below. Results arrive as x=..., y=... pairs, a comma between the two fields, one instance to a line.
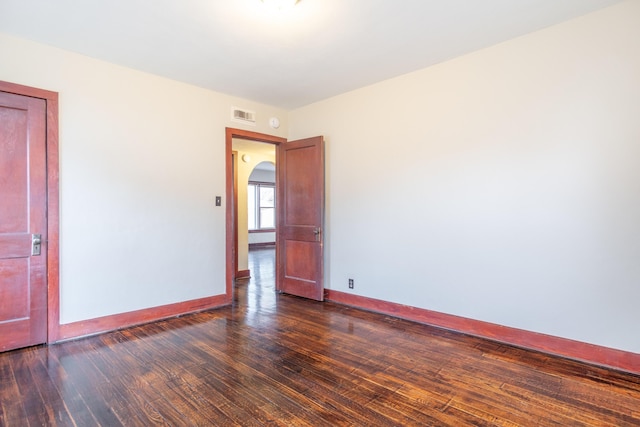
x=36, y=241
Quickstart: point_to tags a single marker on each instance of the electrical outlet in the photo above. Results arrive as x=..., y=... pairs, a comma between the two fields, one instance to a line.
x=350, y=283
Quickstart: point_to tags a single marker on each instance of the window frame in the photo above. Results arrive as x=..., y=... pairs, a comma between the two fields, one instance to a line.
x=258, y=208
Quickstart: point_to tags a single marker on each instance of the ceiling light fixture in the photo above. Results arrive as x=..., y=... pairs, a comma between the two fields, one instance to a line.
x=280, y=4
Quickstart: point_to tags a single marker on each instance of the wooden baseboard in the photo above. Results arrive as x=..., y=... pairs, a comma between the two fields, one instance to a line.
x=576, y=350
x=132, y=318
x=243, y=274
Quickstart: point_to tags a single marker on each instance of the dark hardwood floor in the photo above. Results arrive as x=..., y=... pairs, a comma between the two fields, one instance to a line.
x=278, y=360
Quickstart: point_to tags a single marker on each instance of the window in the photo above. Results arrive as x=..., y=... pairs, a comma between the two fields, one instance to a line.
x=261, y=205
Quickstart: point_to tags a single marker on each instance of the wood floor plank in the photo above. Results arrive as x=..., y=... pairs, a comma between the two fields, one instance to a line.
x=125, y=375
x=13, y=411
x=37, y=413
x=363, y=386
x=52, y=401
x=248, y=387
x=165, y=403
x=102, y=399
x=73, y=400
x=567, y=391
x=293, y=377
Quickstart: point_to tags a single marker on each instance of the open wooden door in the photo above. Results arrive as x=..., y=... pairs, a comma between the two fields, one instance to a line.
x=300, y=205
x=23, y=221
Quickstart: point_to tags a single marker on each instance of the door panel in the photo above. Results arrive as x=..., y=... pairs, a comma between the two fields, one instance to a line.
x=14, y=302
x=300, y=204
x=23, y=286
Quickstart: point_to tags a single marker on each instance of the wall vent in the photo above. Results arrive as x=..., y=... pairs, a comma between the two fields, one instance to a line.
x=244, y=116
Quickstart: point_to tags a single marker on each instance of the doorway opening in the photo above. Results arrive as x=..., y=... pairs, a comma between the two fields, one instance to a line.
x=245, y=151
x=256, y=204
x=299, y=213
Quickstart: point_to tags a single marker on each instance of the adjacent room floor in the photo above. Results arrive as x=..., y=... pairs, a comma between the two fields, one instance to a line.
x=273, y=359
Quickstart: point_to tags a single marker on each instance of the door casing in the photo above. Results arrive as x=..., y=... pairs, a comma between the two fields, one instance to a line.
x=231, y=203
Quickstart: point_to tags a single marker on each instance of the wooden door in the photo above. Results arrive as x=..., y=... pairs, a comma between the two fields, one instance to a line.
x=23, y=198
x=300, y=205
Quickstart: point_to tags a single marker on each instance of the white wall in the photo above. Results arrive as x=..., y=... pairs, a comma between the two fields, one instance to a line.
x=263, y=237
x=141, y=161
x=511, y=184
x=264, y=175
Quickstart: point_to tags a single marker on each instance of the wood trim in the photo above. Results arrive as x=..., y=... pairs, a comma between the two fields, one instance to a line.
x=263, y=230
x=265, y=183
x=53, y=210
x=254, y=136
x=576, y=350
x=234, y=159
x=231, y=249
x=53, y=221
x=28, y=91
x=132, y=318
x=262, y=245
x=243, y=274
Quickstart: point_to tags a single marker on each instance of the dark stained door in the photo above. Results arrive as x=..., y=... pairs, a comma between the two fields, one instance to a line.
x=300, y=204
x=23, y=285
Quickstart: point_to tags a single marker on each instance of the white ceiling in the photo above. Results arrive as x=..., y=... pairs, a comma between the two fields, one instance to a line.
x=317, y=50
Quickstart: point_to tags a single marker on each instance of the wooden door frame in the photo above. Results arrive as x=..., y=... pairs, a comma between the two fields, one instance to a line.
x=231, y=212
x=234, y=209
x=53, y=211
